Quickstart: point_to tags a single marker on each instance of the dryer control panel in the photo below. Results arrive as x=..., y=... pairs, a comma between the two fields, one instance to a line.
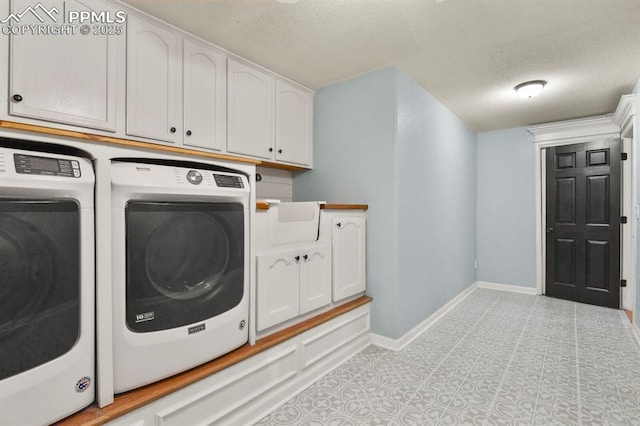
x=34, y=165
x=228, y=181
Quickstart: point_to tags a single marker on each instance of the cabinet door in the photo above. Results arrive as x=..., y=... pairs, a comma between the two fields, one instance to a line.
x=205, y=96
x=67, y=78
x=293, y=124
x=278, y=288
x=348, y=256
x=315, y=279
x=250, y=111
x=153, y=108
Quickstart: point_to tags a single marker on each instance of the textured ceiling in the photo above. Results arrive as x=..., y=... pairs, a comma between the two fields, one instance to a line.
x=467, y=53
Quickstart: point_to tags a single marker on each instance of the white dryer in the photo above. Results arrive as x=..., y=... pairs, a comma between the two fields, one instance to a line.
x=46, y=286
x=180, y=267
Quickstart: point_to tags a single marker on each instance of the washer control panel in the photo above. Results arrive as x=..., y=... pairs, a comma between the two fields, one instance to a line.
x=33, y=165
x=226, y=181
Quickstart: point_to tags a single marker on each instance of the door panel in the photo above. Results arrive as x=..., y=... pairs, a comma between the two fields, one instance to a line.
x=293, y=124
x=348, y=256
x=205, y=99
x=597, y=264
x=566, y=200
x=598, y=200
x=68, y=78
x=315, y=279
x=278, y=288
x=250, y=111
x=566, y=270
x=583, y=223
x=152, y=81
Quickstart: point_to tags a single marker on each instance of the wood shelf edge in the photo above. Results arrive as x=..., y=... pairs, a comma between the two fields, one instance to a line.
x=130, y=401
x=263, y=205
x=280, y=166
x=344, y=207
x=124, y=142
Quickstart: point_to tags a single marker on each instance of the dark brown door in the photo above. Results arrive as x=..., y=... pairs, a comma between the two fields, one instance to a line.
x=583, y=222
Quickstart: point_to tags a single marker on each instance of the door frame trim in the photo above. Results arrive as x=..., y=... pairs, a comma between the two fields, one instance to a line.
x=585, y=130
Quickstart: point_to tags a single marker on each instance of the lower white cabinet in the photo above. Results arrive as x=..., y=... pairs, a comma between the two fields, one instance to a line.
x=348, y=252
x=315, y=279
x=292, y=283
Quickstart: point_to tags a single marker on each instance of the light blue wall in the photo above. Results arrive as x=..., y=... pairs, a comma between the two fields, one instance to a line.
x=436, y=174
x=354, y=151
x=381, y=139
x=506, y=208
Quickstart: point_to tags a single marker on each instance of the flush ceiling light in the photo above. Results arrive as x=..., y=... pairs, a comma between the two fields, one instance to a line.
x=529, y=89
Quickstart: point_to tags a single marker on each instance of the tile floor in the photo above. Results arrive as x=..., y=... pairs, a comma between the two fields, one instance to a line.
x=497, y=358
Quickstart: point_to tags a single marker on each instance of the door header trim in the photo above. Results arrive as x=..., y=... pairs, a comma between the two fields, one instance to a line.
x=575, y=131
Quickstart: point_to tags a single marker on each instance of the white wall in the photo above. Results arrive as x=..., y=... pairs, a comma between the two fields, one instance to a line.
x=276, y=184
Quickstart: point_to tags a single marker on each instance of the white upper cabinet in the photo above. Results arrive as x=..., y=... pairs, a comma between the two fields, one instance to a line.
x=68, y=79
x=176, y=88
x=205, y=96
x=146, y=80
x=250, y=105
x=153, y=82
x=348, y=255
x=268, y=118
x=293, y=124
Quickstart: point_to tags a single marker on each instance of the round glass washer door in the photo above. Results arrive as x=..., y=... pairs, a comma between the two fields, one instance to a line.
x=39, y=282
x=184, y=262
x=187, y=256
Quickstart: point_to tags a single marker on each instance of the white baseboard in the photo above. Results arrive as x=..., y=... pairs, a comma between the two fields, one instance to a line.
x=507, y=287
x=399, y=344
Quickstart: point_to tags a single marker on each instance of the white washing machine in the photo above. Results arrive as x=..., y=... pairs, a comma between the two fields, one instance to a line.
x=180, y=267
x=46, y=286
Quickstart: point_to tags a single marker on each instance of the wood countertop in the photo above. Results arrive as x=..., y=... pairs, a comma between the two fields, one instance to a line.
x=129, y=401
x=264, y=205
x=344, y=207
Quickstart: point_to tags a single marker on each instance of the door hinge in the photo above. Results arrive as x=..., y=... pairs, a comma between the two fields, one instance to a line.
x=623, y=283
x=623, y=219
x=624, y=156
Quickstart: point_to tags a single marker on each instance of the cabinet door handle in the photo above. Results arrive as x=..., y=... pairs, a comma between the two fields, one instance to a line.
x=297, y=258
x=270, y=149
x=17, y=98
x=306, y=256
x=189, y=133
x=339, y=224
x=172, y=130
x=279, y=151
